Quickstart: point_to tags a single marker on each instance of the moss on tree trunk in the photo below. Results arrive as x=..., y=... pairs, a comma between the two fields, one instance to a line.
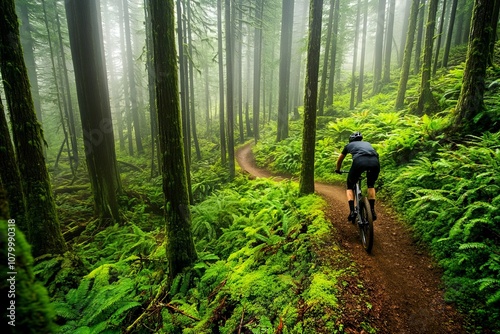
x=180, y=245
x=44, y=232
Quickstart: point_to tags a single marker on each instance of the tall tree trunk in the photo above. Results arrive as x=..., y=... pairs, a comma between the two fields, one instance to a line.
x=405, y=70
x=68, y=101
x=185, y=106
x=426, y=102
x=257, y=58
x=379, y=46
x=333, y=54
x=418, y=40
x=44, y=231
x=181, y=252
x=324, y=71
x=58, y=93
x=438, y=42
x=229, y=95
x=311, y=98
x=183, y=86
x=29, y=56
x=404, y=29
x=151, y=90
x=449, y=35
x=355, y=56
x=10, y=177
x=126, y=92
x=361, y=85
x=457, y=40
x=284, y=75
x=222, y=130
x=191, y=83
x=388, y=42
x=95, y=112
x=248, y=121
x=208, y=120
x=494, y=28
x=297, y=56
x=239, y=64
x=470, y=102
x=132, y=87
x=468, y=9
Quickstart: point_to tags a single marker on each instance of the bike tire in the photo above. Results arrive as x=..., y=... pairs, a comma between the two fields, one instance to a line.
x=366, y=225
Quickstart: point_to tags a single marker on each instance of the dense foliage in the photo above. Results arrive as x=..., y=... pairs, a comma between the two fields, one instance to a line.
x=26, y=301
x=258, y=269
x=444, y=184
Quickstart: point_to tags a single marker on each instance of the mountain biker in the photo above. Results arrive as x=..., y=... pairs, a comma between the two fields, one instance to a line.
x=364, y=158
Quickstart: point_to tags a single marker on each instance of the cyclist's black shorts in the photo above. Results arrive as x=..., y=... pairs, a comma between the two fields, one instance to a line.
x=370, y=164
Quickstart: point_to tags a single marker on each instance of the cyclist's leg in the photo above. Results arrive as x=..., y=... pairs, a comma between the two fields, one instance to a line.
x=371, y=176
x=352, y=178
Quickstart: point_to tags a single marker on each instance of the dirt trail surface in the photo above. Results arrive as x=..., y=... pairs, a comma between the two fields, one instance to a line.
x=403, y=283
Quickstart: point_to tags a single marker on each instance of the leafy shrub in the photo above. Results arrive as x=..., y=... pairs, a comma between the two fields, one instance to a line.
x=33, y=312
x=452, y=200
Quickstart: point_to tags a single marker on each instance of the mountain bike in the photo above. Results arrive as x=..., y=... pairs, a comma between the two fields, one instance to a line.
x=363, y=215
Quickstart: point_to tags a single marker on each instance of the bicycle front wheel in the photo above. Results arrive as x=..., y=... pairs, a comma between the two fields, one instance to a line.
x=366, y=225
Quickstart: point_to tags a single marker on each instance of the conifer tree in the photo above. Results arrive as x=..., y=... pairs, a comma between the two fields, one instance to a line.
x=9, y=174
x=311, y=98
x=471, y=99
x=44, y=232
x=95, y=111
x=180, y=245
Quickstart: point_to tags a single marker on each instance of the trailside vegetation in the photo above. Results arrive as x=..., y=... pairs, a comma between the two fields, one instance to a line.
x=444, y=184
x=258, y=269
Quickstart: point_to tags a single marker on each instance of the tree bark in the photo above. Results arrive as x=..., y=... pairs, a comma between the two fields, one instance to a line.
x=311, y=98
x=418, y=40
x=257, y=58
x=361, y=85
x=470, y=102
x=181, y=252
x=222, y=130
x=230, y=90
x=405, y=70
x=426, y=102
x=284, y=70
x=355, y=57
x=29, y=56
x=333, y=54
x=67, y=100
x=388, y=43
x=93, y=99
x=239, y=70
x=324, y=71
x=379, y=45
x=44, y=232
x=132, y=87
x=438, y=42
x=10, y=177
x=66, y=141
x=191, y=84
x=449, y=35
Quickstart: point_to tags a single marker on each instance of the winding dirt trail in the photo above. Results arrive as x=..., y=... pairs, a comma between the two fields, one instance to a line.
x=403, y=283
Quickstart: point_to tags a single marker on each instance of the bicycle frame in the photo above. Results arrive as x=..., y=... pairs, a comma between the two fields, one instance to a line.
x=363, y=214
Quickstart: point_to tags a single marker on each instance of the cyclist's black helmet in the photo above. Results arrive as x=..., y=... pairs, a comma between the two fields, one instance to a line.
x=356, y=136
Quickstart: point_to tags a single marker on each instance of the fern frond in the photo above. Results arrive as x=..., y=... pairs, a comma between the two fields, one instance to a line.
x=472, y=245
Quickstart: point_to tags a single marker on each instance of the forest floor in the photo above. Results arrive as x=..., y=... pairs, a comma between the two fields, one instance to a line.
x=402, y=281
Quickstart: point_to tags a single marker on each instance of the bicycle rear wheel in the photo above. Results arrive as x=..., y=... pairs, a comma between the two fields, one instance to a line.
x=366, y=225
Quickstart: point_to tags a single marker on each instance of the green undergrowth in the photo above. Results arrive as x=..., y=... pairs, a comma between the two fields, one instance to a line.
x=260, y=270
x=446, y=186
